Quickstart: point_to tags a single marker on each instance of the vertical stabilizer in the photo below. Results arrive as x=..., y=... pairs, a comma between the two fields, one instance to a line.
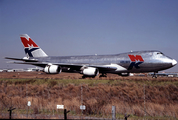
x=31, y=48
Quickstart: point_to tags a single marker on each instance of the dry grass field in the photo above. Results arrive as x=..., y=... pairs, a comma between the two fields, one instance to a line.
x=99, y=95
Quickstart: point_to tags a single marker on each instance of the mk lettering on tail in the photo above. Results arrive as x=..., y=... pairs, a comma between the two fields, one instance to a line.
x=28, y=42
x=31, y=48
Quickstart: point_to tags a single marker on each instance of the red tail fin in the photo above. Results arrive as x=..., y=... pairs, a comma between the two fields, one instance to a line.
x=27, y=41
x=31, y=48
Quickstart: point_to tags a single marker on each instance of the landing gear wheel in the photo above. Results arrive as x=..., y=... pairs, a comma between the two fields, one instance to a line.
x=154, y=75
x=83, y=77
x=103, y=75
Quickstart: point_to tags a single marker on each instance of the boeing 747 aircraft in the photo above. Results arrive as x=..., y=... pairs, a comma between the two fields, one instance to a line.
x=91, y=65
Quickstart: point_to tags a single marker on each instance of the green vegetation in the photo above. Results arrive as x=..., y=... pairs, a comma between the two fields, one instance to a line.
x=93, y=82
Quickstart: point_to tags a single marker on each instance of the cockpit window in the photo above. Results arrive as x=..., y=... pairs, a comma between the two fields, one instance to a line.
x=160, y=53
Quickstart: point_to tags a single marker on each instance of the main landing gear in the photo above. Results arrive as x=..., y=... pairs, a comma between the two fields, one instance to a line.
x=154, y=75
x=103, y=75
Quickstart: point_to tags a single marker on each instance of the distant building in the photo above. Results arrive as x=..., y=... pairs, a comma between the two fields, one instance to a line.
x=164, y=74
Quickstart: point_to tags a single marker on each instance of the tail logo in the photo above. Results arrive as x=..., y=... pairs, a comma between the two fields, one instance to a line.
x=136, y=61
x=28, y=43
x=31, y=48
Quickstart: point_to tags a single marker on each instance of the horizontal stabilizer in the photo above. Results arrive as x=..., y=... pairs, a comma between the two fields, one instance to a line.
x=25, y=60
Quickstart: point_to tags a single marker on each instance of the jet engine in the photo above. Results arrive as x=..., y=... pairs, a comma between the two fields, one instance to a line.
x=52, y=69
x=90, y=72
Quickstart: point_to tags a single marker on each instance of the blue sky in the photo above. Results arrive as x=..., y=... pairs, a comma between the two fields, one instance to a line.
x=80, y=27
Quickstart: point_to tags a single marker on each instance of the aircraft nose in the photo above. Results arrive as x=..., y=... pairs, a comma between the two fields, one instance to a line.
x=174, y=62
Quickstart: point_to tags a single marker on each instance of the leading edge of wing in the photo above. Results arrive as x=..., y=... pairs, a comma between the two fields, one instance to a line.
x=111, y=66
x=114, y=67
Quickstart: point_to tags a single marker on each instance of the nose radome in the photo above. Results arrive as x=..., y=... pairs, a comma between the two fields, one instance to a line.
x=174, y=62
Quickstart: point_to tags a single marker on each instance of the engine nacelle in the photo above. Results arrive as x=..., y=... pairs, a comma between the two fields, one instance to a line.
x=52, y=69
x=90, y=71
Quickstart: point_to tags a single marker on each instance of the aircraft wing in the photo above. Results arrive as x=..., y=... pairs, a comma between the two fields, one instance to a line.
x=113, y=67
x=101, y=68
x=43, y=64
